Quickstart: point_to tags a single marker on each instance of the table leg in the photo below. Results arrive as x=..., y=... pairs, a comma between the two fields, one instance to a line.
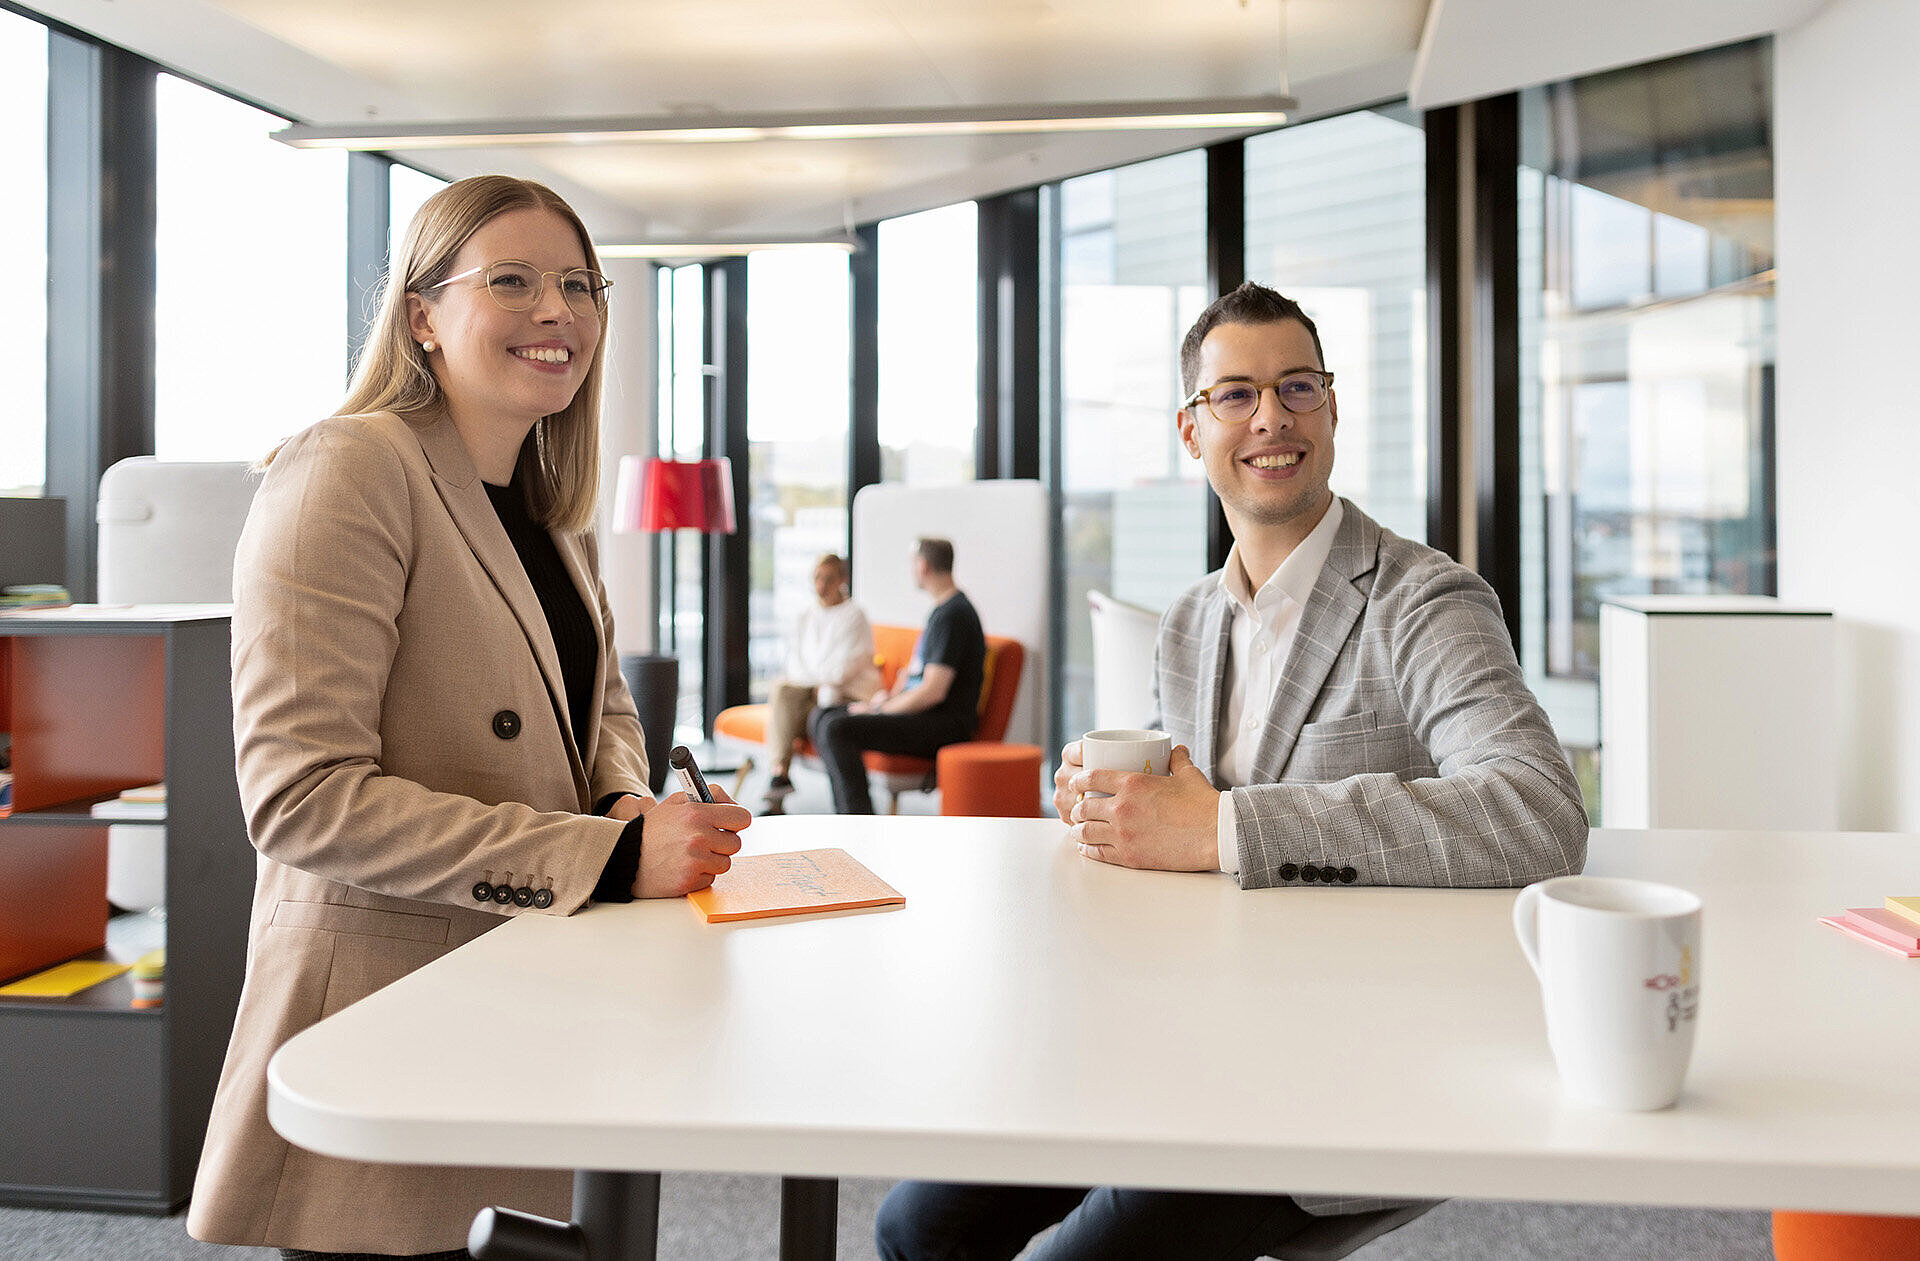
x=809, y=1218
x=620, y=1212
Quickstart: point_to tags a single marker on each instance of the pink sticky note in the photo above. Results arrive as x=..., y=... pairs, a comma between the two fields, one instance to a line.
x=1884, y=924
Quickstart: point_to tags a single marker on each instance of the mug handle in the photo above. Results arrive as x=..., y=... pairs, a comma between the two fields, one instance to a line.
x=1526, y=926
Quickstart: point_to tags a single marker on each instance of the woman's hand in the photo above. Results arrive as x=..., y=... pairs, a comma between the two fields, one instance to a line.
x=687, y=843
x=628, y=807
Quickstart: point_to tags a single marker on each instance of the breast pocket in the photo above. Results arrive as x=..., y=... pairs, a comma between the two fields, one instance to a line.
x=1350, y=744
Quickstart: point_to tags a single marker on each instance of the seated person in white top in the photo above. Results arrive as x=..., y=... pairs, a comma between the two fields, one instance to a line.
x=829, y=662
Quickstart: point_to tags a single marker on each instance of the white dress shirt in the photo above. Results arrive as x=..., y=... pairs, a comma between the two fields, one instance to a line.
x=1261, y=638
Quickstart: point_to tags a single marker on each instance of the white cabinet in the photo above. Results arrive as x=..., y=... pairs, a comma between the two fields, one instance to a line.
x=1717, y=712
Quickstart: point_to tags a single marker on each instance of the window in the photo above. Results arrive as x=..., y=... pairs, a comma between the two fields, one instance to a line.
x=407, y=189
x=1647, y=318
x=929, y=346
x=23, y=221
x=680, y=566
x=798, y=406
x=1336, y=220
x=1133, y=517
x=241, y=365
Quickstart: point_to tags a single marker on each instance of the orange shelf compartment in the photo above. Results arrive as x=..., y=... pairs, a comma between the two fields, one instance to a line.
x=53, y=895
x=87, y=714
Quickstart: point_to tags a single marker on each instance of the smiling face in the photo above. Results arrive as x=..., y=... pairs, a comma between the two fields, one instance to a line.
x=1270, y=471
x=829, y=583
x=502, y=371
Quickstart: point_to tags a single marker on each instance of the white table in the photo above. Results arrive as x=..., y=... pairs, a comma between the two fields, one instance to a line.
x=1032, y=1016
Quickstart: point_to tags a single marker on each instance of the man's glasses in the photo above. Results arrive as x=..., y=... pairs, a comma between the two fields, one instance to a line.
x=516, y=286
x=1234, y=402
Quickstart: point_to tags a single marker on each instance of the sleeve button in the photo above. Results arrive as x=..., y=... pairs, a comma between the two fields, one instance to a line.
x=1309, y=873
x=523, y=897
x=503, y=894
x=1289, y=871
x=542, y=899
x=1348, y=875
x=482, y=891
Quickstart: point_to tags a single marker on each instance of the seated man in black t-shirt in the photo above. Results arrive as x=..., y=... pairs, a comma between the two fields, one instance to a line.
x=936, y=703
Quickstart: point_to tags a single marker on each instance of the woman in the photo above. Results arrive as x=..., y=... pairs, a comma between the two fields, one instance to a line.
x=431, y=728
x=829, y=662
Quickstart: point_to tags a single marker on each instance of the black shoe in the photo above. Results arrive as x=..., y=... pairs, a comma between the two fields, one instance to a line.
x=780, y=784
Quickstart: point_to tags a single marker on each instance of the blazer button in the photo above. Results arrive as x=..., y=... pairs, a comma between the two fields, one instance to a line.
x=1329, y=876
x=1348, y=875
x=1289, y=871
x=542, y=899
x=506, y=724
x=523, y=896
x=503, y=893
x=482, y=891
x=1309, y=873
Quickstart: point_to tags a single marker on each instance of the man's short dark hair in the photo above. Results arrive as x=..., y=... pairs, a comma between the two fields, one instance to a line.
x=1249, y=304
x=938, y=553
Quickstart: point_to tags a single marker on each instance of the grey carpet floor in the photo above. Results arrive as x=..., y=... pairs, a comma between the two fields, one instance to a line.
x=710, y=1217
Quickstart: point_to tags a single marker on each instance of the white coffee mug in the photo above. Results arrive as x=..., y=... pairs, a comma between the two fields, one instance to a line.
x=1619, y=968
x=1126, y=749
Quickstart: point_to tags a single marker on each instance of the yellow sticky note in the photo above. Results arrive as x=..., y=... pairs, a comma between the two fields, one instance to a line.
x=63, y=981
x=1908, y=907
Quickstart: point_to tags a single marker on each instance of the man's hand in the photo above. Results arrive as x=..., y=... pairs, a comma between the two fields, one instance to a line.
x=1156, y=822
x=1065, y=796
x=687, y=843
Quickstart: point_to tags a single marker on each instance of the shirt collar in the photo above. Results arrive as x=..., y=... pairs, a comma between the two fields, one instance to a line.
x=1298, y=573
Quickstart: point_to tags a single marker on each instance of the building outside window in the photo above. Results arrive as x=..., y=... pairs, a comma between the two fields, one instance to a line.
x=1133, y=516
x=798, y=408
x=23, y=221
x=230, y=385
x=1647, y=355
x=929, y=391
x=1336, y=220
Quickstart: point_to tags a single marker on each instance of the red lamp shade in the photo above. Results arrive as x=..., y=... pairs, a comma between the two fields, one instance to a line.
x=654, y=495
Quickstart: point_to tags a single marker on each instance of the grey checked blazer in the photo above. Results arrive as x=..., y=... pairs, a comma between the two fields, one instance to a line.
x=1403, y=742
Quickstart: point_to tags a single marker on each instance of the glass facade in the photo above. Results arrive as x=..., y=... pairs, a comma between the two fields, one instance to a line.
x=929, y=338
x=229, y=385
x=798, y=408
x=1133, y=518
x=23, y=221
x=406, y=190
x=1647, y=354
x=1336, y=220
x=680, y=562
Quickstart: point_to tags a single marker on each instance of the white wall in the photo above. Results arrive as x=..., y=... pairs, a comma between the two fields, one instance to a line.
x=1848, y=437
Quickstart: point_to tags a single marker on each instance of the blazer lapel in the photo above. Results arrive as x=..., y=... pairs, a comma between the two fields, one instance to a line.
x=1325, y=624
x=1215, y=627
x=466, y=500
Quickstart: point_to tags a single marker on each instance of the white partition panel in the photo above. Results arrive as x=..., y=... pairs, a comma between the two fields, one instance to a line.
x=1000, y=531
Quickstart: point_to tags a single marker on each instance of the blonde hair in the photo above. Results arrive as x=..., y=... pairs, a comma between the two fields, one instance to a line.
x=560, y=462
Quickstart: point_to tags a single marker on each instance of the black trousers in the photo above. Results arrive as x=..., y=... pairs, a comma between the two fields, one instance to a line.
x=842, y=737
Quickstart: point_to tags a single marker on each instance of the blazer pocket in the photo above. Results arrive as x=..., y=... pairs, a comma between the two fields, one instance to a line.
x=362, y=921
x=1345, y=727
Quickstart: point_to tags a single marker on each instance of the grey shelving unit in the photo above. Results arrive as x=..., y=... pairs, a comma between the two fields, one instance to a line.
x=107, y=1103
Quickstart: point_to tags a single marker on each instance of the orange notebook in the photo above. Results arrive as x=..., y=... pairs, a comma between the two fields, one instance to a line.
x=793, y=884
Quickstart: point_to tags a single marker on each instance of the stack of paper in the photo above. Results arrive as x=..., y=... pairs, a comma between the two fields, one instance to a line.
x=149, y=801
x=1894, y=927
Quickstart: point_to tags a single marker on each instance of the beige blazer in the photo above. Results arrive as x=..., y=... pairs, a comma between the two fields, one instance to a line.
x=402, y=736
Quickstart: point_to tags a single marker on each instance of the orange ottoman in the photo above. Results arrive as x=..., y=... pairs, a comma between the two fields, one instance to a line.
x=1833, y=1236
x=988, y=778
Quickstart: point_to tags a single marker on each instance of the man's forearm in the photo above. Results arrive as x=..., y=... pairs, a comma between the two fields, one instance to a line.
x=915, y=700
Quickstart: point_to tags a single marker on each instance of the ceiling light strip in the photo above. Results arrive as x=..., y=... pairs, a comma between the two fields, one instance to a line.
x=1213, y=114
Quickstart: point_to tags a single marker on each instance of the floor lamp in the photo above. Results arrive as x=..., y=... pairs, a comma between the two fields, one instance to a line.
x=656, y=496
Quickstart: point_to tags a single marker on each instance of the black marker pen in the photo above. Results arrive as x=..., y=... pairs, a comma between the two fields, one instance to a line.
x=691, y=779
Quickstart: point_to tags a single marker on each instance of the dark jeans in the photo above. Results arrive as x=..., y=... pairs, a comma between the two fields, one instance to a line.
x=841, y=737
x=945, y=1221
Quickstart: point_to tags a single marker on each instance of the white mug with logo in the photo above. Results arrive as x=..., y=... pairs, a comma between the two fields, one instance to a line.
x=1126, y=749
x=1619, y=968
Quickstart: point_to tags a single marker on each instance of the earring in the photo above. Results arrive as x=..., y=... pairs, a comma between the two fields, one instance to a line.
x=428, y=346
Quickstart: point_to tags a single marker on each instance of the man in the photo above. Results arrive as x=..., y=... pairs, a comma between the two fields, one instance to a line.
x=1347, y=709
x=935, y=704
x=829, y=662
